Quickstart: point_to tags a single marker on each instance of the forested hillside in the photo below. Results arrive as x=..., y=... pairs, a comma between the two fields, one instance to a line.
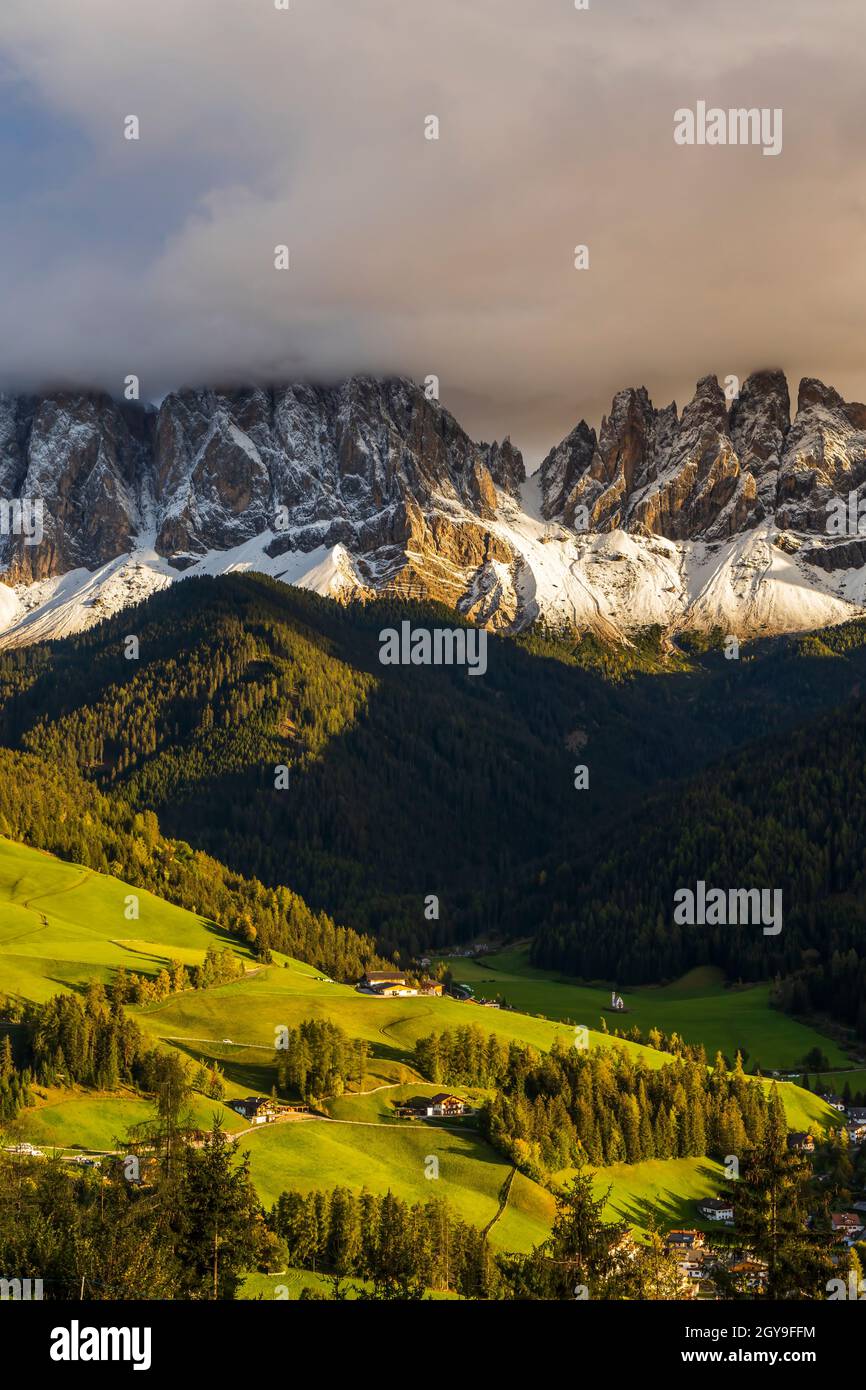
x=790, y=814
x=402, y=781
x=60, y=812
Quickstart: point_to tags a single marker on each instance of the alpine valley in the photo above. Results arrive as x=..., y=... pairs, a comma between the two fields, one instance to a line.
x=288, y=930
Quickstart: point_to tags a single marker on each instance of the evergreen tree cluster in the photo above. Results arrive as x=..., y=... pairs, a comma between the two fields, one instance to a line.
x=319, y=1059
x=465, y=1056
x=14, y=1083
x=401, y=1250
x=776, y=1218
x=217, y=968
x=571, y=1106
x=90, y=1041
x=83, y=1041
x=192, y=1231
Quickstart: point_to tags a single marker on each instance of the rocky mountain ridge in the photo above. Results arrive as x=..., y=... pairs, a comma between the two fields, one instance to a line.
x=715, y=471
x=717, y=516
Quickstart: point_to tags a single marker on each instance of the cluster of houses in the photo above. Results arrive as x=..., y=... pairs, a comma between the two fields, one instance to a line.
x=391, y=984
x=855, y=1118
x=438, y=1107
x=260, y=1110
x=799, y=1141
x=697, y=1258
x=696, y=1262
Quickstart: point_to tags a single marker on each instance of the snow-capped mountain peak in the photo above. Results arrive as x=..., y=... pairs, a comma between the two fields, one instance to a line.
x=715, y=517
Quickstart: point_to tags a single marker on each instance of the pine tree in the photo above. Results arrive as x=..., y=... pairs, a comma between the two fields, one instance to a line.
x=214, y=1218
x=771, y=1206
x=582, y=1252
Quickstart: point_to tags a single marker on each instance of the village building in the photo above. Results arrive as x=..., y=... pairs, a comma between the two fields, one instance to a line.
x=856, y=1132
x=716, y=1209
x=752, y=1273
x=685, y=1240
x=801, y=1142
x=625, y=1250
x=445, y=1105
x=441, y=1106
x=375, y=979
x=693, y=1266
x=387, y=984
x=846, y=1225
x=261, y=1110
x=837, y=1102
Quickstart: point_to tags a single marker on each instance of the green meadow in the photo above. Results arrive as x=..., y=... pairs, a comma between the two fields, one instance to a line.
x=84, y=1121
x=61, y=925
x=308, y=1154
x=700, y=1007
x=661, y=1191
x=377, y=1106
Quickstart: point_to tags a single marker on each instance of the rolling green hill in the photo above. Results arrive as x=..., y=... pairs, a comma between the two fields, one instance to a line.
x=61, y=925
x=316, y=1153
x=699, y=1007
x=661, y=1191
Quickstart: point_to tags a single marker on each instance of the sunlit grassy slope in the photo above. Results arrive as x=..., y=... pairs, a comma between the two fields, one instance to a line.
x=699, y=1007
x=61, y=925
x=84, y=1120
x=316, y=1153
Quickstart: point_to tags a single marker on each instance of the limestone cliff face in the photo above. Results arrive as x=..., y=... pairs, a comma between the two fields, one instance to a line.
x=824, y=456
x=372, y=465
x=712, y=472
x=716, y=517
x=87, y=459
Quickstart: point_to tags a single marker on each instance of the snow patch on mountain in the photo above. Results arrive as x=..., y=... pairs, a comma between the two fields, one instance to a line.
x=73, y=602
x=614, y=583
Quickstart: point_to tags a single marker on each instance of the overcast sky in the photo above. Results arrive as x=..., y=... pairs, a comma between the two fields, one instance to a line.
x=453, y=257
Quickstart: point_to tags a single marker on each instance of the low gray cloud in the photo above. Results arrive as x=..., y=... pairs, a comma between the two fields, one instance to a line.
x=452, y=257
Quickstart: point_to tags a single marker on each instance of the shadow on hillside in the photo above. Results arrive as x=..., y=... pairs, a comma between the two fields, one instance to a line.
x=253, y=1076
x=667, y=1208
